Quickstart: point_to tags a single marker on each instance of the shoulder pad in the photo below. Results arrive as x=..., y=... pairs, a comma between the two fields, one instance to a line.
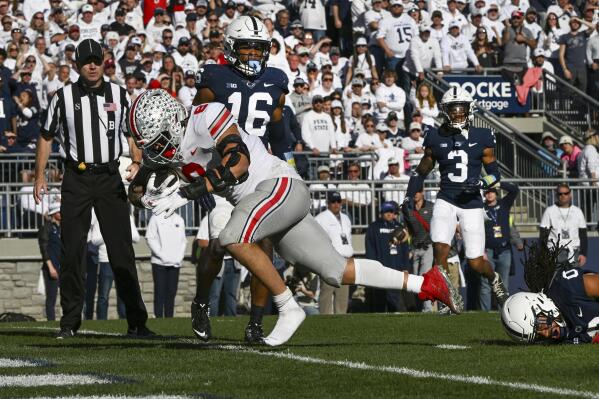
x=207, y=75
x=448, y=131
x=278, y=77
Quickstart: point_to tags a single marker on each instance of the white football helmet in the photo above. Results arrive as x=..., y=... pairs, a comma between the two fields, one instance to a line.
x=457, y=106
x=157, y=121
x=523, y=313
x=247, y=32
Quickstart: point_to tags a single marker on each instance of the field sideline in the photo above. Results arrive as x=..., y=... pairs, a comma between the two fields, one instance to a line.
x=359, y=356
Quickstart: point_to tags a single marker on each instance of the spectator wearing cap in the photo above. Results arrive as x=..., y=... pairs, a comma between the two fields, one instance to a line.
x=343, y=136
x=497, y=237
x=549, y=152
x=318, y=130
x=425, y=102
x=513, y=5
x=355, y=92
x=184, y=58
x=300, y=99
x=9, y=145
x=517, y=43
x=390, y=97
x=395, y=133
x=438, y=26
x=395, y=189
x=485, y=49
x=339, y=64
x=531, y=22
x=363, y=60
x=358, y=196
x=338, y=227
x=119, y=25
x=321, y=51
x=48, y=238
x=423, y=53
x=570, y=156
x=110, y=72
x=564, y=10
x=296, y=34
x=539, y=61
x=159, y=22
x=572, y=52
x=385, y=152
x=320, y=190
x=89, y=28
x=354, y=119
x=129, y=62
x=394, y=36
x=167, y=41
x=414, y=145
x=381, y=246
x=369, y=140
x=192, y=25
x=452, y=13
x=476, y=22
x=325, y=89
x=456, y=50
x=229, y=14
x=188, y=90
x=312, y=74
x=593, y=64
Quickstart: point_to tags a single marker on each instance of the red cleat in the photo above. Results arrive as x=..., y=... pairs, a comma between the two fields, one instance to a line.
x=436, y=287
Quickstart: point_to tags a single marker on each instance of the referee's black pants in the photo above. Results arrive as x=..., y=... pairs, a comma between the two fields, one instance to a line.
x=106, y=194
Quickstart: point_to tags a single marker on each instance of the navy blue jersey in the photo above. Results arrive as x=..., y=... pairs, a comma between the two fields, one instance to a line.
x=460, y=162
x=579, y=311
x=251, y=101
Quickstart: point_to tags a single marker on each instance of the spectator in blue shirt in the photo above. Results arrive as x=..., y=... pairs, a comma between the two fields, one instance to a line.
x=551, y=167
x=50, y=244
x=28, y=126
x=8, y=121
x=497, y=237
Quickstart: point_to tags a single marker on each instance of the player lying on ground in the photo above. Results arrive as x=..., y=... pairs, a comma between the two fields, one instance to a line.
x=563, y=306
x=461, y=151
x=270, y=200
x=255, y=94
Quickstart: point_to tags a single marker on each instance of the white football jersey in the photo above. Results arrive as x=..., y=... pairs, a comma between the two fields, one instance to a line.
x=398, y=33
x=207, y=123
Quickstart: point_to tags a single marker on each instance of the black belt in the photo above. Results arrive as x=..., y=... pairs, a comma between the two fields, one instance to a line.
x=111, y=167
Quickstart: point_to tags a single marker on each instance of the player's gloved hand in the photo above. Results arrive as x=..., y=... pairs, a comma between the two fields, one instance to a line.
x=398, y=235
x=207, y=202
x=168, y=205
x=472, y=186
x=488, y=181
x=195, y=189
x=155, y=193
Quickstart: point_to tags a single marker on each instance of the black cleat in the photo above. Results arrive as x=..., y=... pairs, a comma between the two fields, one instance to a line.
x=65, y=333
x=254, y=334
x=140, y=332
x=200, y=321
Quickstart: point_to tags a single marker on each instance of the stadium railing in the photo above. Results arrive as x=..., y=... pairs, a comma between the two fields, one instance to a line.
x=535, y=196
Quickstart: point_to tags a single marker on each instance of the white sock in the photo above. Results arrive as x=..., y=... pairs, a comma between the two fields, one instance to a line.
x=291, y=316
x=372, y=273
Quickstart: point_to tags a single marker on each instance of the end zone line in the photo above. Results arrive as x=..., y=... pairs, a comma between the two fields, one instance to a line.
x=476, y=380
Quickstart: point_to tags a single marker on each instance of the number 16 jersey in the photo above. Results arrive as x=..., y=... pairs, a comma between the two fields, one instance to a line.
x=460, y=161
x=252, y=102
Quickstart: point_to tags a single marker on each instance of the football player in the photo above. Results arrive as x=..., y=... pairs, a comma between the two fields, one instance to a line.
x=461, y=151
x=255, y=95
x=564, y=307
x=270, y=199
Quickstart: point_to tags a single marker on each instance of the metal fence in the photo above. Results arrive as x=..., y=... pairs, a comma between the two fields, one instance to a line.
x=19, y=217
x=13, y=166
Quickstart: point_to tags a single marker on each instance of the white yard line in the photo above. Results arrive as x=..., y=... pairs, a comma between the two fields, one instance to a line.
x=33, y=380
x=408, y=372
x=452, y=347
x=14, y=363
x=116, y=397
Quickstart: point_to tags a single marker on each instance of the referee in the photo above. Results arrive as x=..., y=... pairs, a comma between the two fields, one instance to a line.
x=88, y=119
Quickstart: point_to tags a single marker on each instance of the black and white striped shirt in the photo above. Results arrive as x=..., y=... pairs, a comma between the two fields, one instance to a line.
x=88, y=123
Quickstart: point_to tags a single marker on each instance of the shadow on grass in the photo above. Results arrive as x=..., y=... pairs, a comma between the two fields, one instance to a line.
x=496, y=342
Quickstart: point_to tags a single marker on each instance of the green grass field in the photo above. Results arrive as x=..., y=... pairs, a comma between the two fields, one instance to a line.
x=357, y=356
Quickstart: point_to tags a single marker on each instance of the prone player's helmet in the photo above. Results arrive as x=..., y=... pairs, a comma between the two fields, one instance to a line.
x=525, y=313
x=157, y=121
x=457, y=106
x=247, y=32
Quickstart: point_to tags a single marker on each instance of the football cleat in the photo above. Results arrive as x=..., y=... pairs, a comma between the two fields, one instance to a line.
x=499, y=290
x=140, y=332
x=437, y=287
x=254, y=334
x=65, y=333
x=200, y=321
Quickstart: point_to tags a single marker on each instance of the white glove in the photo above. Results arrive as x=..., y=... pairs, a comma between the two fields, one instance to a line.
x=168, y=205
x=153, y=193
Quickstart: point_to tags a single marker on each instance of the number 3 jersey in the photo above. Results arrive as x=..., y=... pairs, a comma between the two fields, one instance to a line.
x=252, y=102
x=579, y=311
x=460, y=161
x=207, y=123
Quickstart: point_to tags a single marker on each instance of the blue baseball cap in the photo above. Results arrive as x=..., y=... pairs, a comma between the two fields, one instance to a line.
x=389, y=206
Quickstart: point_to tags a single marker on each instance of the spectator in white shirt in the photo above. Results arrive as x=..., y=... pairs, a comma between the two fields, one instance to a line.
x=565, y=224
x=425, y=102
x=413, y=145
x=457, y=51
x=319, y=190
x=453, y=14
x=338, y=227
x=318, y=130
x=530, y=22
x=188, y=91
x=368, y=141
x=326, y=86
x=385, y=152
x=363, y=60
x=389, y=97
x=395, y=190
x=423, y=53
x=167, y=241
x=358, y=197
x=588, y=161
x=184, y=58
x=88, y=28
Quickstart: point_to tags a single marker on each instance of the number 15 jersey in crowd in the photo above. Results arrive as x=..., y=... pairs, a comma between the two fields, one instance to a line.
x=252, y=102
x=460, y=161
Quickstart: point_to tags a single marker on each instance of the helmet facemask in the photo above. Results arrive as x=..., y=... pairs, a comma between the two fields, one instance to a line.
x=458, y=114
x=548, y=327
x=246, y=63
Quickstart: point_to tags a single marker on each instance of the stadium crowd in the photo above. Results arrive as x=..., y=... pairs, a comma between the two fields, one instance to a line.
x=358, y=101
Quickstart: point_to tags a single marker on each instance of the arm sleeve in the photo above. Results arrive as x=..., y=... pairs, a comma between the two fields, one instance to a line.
x=470, y=53
x=50, y=126
x=546, y=220
x=414, y=53
x=584, y=241
x=512, y=193
x=306, y=131
x=400, y=100
x=437, y=55
x=445, y=50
